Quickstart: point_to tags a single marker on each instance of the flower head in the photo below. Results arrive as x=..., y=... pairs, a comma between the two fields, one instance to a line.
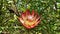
x=29, y=20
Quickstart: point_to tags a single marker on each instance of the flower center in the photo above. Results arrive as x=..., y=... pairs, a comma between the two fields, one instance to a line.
x=30, y=21
x=30, y=18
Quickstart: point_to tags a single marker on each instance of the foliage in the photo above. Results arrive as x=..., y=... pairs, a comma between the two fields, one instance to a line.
x=48, y=9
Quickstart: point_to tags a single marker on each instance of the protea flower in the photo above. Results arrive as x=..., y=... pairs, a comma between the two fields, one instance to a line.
x=29, y=20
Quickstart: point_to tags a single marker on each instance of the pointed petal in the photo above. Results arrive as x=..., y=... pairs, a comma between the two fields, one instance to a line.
x=27, y=12
x=21, y=20
x=23, y=16
x=33, y=12
x=37, y=18
x=37, y=22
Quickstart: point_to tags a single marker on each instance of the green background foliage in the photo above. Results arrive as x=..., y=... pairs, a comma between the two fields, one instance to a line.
x=48, y=9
